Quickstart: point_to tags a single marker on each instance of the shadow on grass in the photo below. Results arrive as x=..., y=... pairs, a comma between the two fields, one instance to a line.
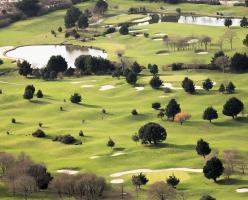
x=119, y=149
x=232, y=122
x=88, y=105
x=233, y=181
x=39, y=102
x=175, y=146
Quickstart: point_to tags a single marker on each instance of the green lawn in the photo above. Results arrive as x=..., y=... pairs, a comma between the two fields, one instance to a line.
x=119, y=124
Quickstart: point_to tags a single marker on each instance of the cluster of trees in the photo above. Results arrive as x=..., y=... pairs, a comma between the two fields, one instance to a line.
x=30, y=91
x=74, y=16
x=22, y=175
x=244, y=22
x=29, y=7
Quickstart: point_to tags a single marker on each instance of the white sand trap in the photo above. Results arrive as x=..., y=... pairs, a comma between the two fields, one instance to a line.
x=5, y=82
x=139, y=35
x=170, y=86
x=160, y=34
x=87, y=86
x=139, y=88
x=157, y=39
x=117, y=181
x=214, y=83
x=163, y=96
x=242, y=190
x=197, y=87
x=192, y=41
x=3, y=50
x=76, y=82
x=67, y=171
x=137, y=30
x=202, y=53
x=137, y=171
x=145, y=19
x=118, y=154
x=163, y=54
x=94, y=157
x=106, y=87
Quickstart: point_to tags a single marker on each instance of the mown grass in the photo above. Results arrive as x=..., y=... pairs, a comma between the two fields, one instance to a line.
x=119, y=124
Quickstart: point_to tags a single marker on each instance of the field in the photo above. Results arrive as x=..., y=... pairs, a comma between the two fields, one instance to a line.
x=178, y=150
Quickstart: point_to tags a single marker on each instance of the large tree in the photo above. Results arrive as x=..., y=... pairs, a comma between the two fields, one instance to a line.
x=139, y=180
x=244, y=22
x=213, y=169
x=101, y=7
x=233, y=107
x=153, y=69
x=72, y=16
x=57, y=64
x=76, y=98
x=156, y=82
x=228, y=22
x=209, y=114
x=24, y=68
x=29, y=92
x=188, y=85
x=136, y=68
x=83, y=21
x=202, y=148
x=172, y=109
x=29, y=7
x=161, y=191
x=152, y=133
x=131, y=78
x=207, y=84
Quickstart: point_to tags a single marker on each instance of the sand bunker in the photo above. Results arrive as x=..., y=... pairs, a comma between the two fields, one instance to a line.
x=145, y=19
x=163, y=54
x=3, y=50
x=139, y=35
x=5, y=82
x=242, y=190
x=192, y=41
x=202, y=53
x=197, y=87
x=94, y=157
x=67, y=171
x=137, y=171
x=87, y=86
x=160, y=34
x=106, y=87
x=170, y=86
x=139, y=88
x=117, y=181
x=118, y=154
x=157, y=39
x=163, y=96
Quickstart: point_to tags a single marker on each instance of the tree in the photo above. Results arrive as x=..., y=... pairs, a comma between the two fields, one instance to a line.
x=222, y=88
x=153, y=69
x=29, y=92
x=124, y=29
x=233, y=107
x=156, y=105
x=161, y=191
x=110, y=143
x=25, y=185
x=182, y=117
x=245, y=41
x=213, y=169
x=239, y=62
x=101, y=7
x=131, y=78
x=222, y=62
x=40, y=175
x=207, y=197
x=155, y=82
x=6, y=162
x=172, y=109
x=230, y=35
x=207, y=84
x=205, y=40
x=57, y=64
x=229, y=160
x=134, y=112
x=152, y=133
x=188, y=85
x=24, y=68
x=202, y=148
x=230, y=88
x=228, y=22
x=60, y=29
x=72, y=16
x=83, y=21
x=246, y=3
x=29, y=7
x=209, y=114
x=136, y=68
x=139, y=180
x=135, y=138
x=39, y=94
x=173, y=181
x=76, y=98
x=244, y=22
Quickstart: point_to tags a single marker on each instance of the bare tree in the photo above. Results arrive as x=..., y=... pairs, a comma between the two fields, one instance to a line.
x=25, y=185
x=241, y=163
x=161, y=191
x=6, y=161
x=223, y=62
x=205, y=40
x=230, y=35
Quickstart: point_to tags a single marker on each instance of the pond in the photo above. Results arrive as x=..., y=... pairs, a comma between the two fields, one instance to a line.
x=38, y=55
x=197, y=20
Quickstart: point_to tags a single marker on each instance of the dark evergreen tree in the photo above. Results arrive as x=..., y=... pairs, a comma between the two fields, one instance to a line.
x=24, y=68
x=228, y=22
x=76, y=98
x=245, y=41
x=57, y=64
x=207, y=84
x=222, y=88
x=244, y=22
x=101, y=7
x=209, y=114
x=207, y=197
x=213, y=169
x=136, y=68
x=188, y=85
x=152, y=133
x=202, y=148
x=124, y=29
x=29, y=7
x=233, y=107
x=139, y=180
x=83, y=21
x=173, y=181
x=29, y=92
x=39, y=94
x=110, y=143
x=131, y=78
x=156, y=105
x=155, y=82
x=239, y=62
x=172, y=109
x=72, y=16
x=153, y=69
x=230, y=88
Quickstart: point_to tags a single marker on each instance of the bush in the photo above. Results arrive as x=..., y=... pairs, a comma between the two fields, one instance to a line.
x=67, y=139
x=39, y=134
x=124, y=30
x=134, y=112
x=188, y=85
x=81, y=133
x=156, y=105
x=76, y=98
x=39, y=94
x=156, y=82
